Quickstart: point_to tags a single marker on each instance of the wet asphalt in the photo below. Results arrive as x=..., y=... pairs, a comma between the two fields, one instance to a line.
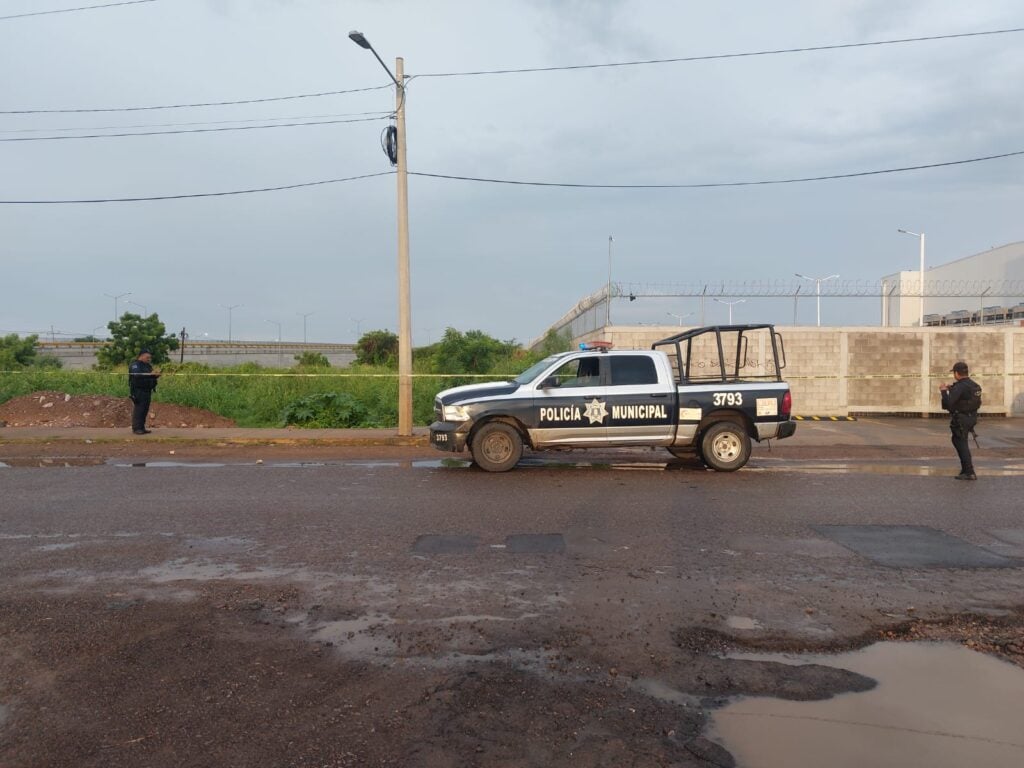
x=661, y=538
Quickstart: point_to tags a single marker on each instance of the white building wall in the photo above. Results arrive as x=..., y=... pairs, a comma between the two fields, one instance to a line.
x=902, y=307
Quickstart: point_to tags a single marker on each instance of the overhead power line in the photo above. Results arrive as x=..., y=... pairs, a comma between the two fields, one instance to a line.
x=197, y=194
x=192, y=130
x=712, y=57
x=707, y=185
x=379, y=113
x=71, y=10
x=196, y=104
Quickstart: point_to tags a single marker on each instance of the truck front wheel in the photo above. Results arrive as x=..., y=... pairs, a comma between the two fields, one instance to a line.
x=497, y=447
x=725, y=446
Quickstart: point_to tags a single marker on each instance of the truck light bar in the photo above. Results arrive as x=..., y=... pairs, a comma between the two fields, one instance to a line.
x=602, y=346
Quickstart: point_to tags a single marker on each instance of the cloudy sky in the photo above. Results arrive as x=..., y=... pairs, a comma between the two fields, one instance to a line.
x=506, y=259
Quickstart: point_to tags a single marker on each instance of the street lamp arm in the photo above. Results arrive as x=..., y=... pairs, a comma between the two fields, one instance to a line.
x=360, y=39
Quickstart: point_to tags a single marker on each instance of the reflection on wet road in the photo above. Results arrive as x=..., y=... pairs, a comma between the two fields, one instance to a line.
x=922, y=468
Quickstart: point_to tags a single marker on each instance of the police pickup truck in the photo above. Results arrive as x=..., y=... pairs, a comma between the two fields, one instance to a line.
x=706, y=392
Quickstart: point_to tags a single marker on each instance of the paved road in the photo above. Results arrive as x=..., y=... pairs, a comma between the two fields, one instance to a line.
x=415, y=613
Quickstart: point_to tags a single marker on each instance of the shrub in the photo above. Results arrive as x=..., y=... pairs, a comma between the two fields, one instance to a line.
x=326, y=410
x=311, y=359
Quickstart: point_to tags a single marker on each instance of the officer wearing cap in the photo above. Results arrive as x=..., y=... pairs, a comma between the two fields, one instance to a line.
x=141, y=383
x=962, y=399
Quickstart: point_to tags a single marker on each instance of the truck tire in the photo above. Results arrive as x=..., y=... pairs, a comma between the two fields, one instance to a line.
x=725, y=446
x=497, y=447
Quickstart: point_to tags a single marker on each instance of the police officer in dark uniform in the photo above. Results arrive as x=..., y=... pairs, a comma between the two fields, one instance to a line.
x=141, y=383
x=962, y=399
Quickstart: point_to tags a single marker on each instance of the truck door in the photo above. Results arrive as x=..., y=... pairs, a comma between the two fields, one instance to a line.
x=570, y=404
x=640, y=408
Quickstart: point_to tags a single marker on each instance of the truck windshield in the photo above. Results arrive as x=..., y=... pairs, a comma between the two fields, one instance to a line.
x=535, y=370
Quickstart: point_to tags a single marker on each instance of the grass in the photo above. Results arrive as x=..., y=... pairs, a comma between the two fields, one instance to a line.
x=249, y=395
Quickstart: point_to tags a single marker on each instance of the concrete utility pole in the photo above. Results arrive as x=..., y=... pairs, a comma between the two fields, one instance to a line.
x=404, y=302
x=919, y=236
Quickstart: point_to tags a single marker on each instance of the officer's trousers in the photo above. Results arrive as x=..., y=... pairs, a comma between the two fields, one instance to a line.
x=140, y=409
x=963, y=450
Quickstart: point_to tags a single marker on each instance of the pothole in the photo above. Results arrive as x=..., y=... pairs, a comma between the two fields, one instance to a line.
x=936, y=704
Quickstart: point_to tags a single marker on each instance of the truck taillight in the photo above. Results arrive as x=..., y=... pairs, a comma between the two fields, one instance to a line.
x=787, y=404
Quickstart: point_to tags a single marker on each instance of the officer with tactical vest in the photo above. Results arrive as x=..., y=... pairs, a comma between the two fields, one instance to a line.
x=962, y=399
x=142, y=380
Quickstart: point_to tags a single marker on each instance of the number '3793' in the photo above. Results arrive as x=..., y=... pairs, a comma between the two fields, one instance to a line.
x=727, y=398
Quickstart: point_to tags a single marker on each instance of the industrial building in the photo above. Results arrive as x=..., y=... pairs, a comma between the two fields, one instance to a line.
x=962, y=292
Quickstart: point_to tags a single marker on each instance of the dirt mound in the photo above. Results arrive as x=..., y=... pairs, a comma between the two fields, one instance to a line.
x=57, y=409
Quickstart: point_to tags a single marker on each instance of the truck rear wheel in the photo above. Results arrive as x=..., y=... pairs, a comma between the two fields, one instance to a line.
x=725, y=446
x=497, y=447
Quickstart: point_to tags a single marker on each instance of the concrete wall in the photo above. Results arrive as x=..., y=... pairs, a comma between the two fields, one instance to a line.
x=843, y=371
x=82, y=355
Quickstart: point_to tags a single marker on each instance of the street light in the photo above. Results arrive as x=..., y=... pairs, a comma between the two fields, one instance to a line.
x=730, y=304
x=919, y=236
x=304, y=316
x=608, y=306
x=230, y=309
x=404, y=302
x=115, y=298
x=359, y=326
x=274, y=322
x=678, y=317
x=817, y=288
x=140, y=306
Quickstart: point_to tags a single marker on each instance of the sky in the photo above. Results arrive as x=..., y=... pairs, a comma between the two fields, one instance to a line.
x=506, y=259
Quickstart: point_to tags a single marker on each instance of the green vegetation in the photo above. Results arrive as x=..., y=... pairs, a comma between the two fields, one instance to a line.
x=132, y=333
x=17, y=354
x=309, y=396
x=312, y=360
x=377, y=348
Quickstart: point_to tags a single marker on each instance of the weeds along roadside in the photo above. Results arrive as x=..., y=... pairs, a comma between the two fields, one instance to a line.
x=253, y=396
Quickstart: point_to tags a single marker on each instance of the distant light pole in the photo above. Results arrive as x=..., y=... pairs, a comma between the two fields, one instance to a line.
x=608, y=305
x=817, y=288
x=404, y=301
x=678, y=317
x=274, y=322
x=919, y=236
x=731, y=304
x=304, y=316
x=359, y=326
x=140, y=306
x=230, y=308
x=115, y=298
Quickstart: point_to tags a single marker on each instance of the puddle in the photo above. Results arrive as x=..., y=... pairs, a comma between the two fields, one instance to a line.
x=198, y=464
x=52, y=461
x=660, y=691
x=936, y=704
x=742, y=622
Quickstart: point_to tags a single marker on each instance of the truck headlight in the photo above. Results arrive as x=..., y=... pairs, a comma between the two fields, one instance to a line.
x=456, y=413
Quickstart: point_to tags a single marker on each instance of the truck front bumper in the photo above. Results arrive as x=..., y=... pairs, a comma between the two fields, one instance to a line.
x=445, y=435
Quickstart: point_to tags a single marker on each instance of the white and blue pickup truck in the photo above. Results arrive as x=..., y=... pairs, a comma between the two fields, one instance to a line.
x=707, y=392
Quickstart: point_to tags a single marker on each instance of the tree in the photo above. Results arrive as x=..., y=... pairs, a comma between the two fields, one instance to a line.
x=554, y=343
x=132, y=333
x=17, y=353
x=377, y=348
x=470, y=352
